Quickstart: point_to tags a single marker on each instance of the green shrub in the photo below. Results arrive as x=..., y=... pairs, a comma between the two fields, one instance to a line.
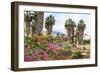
x=86, y=42
x=76, y=55
x=31, y=43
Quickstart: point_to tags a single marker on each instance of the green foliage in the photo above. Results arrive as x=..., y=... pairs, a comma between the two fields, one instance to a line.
x=80, y=31
x=69, y=24
x=81, y=25
x=76, y=55
x=70, y=27
x=67, y=46
x=86, y=41
x=49, y=22
x=31, y=43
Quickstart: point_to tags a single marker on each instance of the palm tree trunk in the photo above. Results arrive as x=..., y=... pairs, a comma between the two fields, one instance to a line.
x=27, y=28
x=39, y=26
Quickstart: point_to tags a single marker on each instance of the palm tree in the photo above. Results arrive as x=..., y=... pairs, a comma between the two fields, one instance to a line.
x=80, y=31
x=49, y=22
x=28, y=18
x=40, y=19
x=70, y=27
x=37, y=22
x=34, y=22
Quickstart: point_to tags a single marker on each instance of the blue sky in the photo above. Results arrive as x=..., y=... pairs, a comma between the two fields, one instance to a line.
x=61, y=18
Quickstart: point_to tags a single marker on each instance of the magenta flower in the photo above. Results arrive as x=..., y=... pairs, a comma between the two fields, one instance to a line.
x=37, y=55
x=27, y=58
x=45, y=56
x=53, y=47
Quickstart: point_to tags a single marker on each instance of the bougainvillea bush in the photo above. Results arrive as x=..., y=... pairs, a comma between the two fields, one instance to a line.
x=37, y=49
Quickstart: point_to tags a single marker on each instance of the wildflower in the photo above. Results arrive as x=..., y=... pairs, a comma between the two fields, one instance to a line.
x=53, y=47
x=45, y=56
x=27, y=58
x=37, y=55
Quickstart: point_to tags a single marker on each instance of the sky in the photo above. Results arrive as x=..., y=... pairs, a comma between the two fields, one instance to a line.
x=60, y=19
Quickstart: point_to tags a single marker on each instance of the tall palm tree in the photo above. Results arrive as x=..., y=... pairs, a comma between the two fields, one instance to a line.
x=34, y=22
x=80, y=31
x=70, y=27
x=40, y=19
x=37, y=22
x=49, y=22
x=28, y=17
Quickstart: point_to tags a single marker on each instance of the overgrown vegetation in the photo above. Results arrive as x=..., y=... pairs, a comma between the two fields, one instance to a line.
x=46, y=46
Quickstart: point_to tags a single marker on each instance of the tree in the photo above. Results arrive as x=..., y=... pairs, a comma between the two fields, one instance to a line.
x=70, y=27
x=49, y=22
x=39, y=22
x=27, y=20
x=80, y=31
x=34, y=20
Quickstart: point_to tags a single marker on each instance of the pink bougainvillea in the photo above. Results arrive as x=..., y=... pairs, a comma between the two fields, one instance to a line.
x=54, y=47
x=40, y=54
x=45, y=56
x=27, y=58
